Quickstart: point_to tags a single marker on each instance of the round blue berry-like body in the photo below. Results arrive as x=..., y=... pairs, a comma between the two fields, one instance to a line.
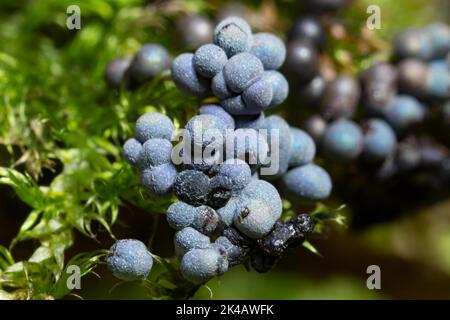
x=254, y=218
x=439, y=34
x=148, y=62
x=227, y=212
x=233, y=35
x=241, y=71
x=218, y=111
x=115, y=71
x=413, y=43
x=187, y=239
x=129, y=260
x=206, y=130
x=253, y=121
x=379, y=140
x=303, y=148
x=154, y=153
x=342, y=140
x=237, y=172
x=236, y=106
x=437, y=83
x=269, y=49
x=209, y=60
x=131, y=151
x=153, y=125
x=277, y=127
x=186, y=78
x=404, y=111
x=308, y=182
x=180, y=215
x=200, y=265
x=259, y=95
x=219, y=87
x=263, y=190
x=251, y=146
x=280, y=87
x=159, y=180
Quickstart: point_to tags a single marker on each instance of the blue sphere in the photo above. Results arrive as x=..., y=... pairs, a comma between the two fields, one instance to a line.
x=200, y=265
x=309, y=182
x=209, y=60
x=269, y=49
x=280, y=87
x=154, y=153
x=254, y=121
x=259, y=95
x=160, y=179
x=153, y=125
x=233, y=35
x=129, y=260
x=131, y=151
x=186, y=78
x=218, y=111
x=303, y=148
x=219, y=87
x=241, y=71
x=342, y=141
x=187, y=239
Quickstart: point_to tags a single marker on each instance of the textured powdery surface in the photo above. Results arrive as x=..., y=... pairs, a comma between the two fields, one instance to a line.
x=259, y=95
x=233, y=35
x=154, y=153
x=219, y=87
x=269, y=49
x=241, y=71
x=254, y=217
x=280, y=87
x=129, y=260
x=153, y=125
x=206, y=130
x=186, y=78
x=180, y=215
x=218, y=111
x=209, y=60
x=237, y=171
x=159, y=180
x=131, y=150
x=254, y=121
x=308, y=182
x=199, y=265
x=235, y=106
x=189, y=238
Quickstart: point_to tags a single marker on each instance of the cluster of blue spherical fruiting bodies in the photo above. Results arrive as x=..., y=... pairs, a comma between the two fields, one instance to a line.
x=229, y=205
x=229, y=201
x=397, y=97
x=239, y=68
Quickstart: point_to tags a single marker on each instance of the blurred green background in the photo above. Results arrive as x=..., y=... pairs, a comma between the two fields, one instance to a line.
x=54, y=100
